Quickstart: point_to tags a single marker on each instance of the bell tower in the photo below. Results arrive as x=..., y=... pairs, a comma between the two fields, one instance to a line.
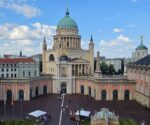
x=91, y=55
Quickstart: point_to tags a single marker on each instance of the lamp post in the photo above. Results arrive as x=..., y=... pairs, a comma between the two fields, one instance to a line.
x=13, y=109
x=4, y=107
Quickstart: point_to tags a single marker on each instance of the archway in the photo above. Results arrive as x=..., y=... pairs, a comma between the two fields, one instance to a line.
x=82, y=89
x=9, y=95
x=63, y=87
x=90, y=91
x=36, y=91
x=126, y=95
x=21, y=95
x=103, y=95
x=115, y=95
x=45, y=89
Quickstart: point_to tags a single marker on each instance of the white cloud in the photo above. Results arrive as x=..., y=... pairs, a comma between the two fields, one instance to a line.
x=121, y=46
x=121, y=39
x=117, y=30
x=22, y=37
x=20, y=7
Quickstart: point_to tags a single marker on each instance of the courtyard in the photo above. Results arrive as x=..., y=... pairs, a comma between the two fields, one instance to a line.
x=52, y=105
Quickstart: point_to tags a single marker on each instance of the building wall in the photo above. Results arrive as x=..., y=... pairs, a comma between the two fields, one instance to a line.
x=142, y=77
x=97, y=87
x=26, y=85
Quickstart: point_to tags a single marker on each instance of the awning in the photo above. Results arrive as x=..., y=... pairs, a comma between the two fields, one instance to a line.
x=37, y=113
x=83, y=113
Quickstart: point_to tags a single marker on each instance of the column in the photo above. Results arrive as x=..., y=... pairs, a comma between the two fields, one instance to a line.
x=81, y=69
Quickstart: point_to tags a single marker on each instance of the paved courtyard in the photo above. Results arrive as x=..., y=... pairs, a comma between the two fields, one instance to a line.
x=52, y=105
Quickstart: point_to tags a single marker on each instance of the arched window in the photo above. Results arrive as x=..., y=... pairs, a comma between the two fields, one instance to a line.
x=115, y=95
x=45, y=89
x=126, y=95
x=90, y=91
x=9, y=95
x=103, y=95
x=51, y=57
x=36, y=91
x=21, y=95
x=82, y=89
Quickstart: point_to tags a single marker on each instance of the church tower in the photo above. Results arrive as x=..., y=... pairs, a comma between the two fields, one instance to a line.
x=91, y=49
x=44, y=44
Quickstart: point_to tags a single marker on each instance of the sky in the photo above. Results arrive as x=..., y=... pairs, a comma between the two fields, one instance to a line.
x=116, y=25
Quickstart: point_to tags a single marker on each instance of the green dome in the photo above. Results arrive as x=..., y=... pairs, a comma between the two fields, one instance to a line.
x=67, y=23
x=141, y=46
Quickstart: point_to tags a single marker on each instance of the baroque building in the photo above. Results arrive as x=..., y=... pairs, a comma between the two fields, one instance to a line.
x=140, y=72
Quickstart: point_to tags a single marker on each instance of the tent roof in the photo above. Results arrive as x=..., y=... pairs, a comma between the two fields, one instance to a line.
x=37, y=113
x=83, y=113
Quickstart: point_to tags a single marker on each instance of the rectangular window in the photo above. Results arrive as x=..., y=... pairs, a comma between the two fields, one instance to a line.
x=11, y=75
x=15, y=75
x=7, y=75
x=11, y=69
x=2, y=75
x=2, y=70
x=7, y=70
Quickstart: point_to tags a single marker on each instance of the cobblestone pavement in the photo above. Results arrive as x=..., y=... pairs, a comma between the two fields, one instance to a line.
x=52, y=105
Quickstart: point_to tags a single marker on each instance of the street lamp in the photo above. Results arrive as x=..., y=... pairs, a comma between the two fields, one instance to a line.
x=13, y=109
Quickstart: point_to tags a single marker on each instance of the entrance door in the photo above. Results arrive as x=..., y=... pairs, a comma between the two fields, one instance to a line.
x=21, y=95
x=115, y=95
x=9, y=95
x=126, y=95
x=63, y=87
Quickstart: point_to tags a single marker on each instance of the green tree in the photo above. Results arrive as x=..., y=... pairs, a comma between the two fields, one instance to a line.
x=104, y=68
x=111, y=69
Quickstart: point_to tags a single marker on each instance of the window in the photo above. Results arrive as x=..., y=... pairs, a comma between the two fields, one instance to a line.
x=7, y=75
x=67, y=44
x=51, y=57
x=15, y=75
x=11, y=69
x=11, y=75
x=2, y=70
x=2, y=75
x=35, y=72
x=15, y=69
x=29, y=73
x=23, y=74
x=7, y=70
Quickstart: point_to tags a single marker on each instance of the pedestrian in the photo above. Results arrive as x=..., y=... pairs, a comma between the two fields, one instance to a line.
x=66, y=107
x=49, y=116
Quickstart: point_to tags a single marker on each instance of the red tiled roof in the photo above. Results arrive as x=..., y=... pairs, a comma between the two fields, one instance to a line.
x=16, y=60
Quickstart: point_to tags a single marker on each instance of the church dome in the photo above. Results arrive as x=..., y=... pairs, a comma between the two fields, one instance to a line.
x=141, y=46
x=67, y=22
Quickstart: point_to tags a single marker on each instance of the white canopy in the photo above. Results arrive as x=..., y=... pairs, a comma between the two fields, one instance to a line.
x=37, y=113
x=83, y=113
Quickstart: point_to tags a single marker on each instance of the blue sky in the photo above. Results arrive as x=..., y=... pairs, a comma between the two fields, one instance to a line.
x=116, y=25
